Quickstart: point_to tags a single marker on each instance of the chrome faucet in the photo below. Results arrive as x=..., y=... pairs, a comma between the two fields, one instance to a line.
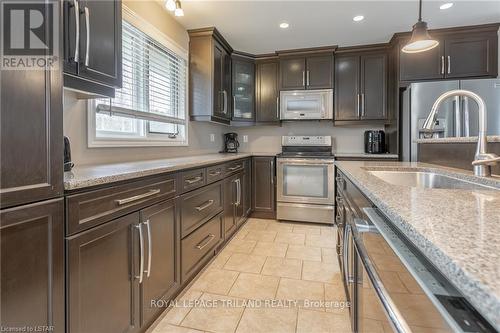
x=482, y=160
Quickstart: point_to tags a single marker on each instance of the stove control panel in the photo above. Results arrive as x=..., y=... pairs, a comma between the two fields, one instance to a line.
x=300, y=140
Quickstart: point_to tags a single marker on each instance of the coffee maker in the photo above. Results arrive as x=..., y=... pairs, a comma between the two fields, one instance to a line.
x=231, y=143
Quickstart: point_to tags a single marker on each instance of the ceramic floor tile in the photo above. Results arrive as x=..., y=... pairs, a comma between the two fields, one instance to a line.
x=320, y=271
x=308, y=230
x=256, y=224
x=322, y=322
x=305, y=292
x=217, y=281
x=290, y=238
x=328, y=241
x=280, y=226
x=335, y=298
x=221, y=259
x=254, y=286
x=240, y=246
x=215, y=313
x=329, y=231
x=261, y=235
x=270, y=249
x=304, y=252
x=266, y=320
x=245, y=263
x=182, y=306
x=241, y=233
x=329, y=255
x=168, y=328
x=282, y=267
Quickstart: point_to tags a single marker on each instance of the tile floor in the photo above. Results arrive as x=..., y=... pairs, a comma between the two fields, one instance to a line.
x=271, y=277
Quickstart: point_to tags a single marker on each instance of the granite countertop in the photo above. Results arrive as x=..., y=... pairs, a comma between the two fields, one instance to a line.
x=490, y=138
x=457, y=230
x=92, y=175
x=364, y=155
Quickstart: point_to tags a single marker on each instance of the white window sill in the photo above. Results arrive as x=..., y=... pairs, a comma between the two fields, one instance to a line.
x=124, y=143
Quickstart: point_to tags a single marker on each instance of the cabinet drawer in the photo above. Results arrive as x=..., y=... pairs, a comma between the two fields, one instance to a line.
x=192, y=179
x=235, y=166
x=215, y=173
x=86, y=210
x=198, y=247
x=199, y=205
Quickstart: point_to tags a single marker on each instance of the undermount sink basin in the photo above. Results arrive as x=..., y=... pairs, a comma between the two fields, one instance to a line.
x=424, y=179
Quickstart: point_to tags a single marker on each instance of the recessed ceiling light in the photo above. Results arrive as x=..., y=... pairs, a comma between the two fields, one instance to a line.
x=358, y=18
x=284, y=25
x=446, y=5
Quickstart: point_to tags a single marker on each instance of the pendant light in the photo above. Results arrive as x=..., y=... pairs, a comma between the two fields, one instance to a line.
x=170, y=5
x=178, y=9
x=420, y=39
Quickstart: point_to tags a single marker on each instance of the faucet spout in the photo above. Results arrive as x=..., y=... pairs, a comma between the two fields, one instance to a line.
x=482, y=160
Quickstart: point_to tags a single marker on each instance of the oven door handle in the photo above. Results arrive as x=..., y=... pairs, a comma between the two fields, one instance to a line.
x=305, y=161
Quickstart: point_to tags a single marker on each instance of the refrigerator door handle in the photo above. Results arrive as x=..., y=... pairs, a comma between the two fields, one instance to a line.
x=442, y=64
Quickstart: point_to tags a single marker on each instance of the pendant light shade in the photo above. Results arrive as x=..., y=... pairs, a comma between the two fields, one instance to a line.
x=420, y=39
x=178, y=9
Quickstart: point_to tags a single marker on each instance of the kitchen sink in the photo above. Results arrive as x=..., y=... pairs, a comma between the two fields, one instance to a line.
x=426, y=179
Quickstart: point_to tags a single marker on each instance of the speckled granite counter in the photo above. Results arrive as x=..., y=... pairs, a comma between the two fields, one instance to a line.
x=491, y=138
x=457, y=230
x=92, y=175
x=366, y=156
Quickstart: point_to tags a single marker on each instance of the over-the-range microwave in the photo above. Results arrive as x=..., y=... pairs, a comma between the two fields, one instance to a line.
x=306, y=104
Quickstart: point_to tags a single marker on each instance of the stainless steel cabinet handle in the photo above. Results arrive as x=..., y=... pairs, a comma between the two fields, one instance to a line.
x=277, y=108
x=239, y=166
x=224, y=94
x=205, y=205
x=214, y=174
x=141, y=254
x=442, y=64
x=137, y=197
x=238, y=191
x=77, y=29
x=196, y=179
x=150, y=248
x=303, y=78
x=449, y=65
x=272, y=172
x=87, y=25
x=234, y=103
x=363, y=105
x=205, y=241
x=307, y=78
x=358, y=105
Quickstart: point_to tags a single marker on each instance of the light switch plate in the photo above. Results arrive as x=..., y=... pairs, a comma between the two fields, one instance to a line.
x=245, y=138
x=212, y=137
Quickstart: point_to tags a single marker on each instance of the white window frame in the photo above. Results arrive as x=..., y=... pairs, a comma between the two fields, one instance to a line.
x=151, y=139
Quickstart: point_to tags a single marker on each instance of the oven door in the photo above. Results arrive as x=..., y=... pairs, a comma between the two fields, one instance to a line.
x=303, y=104
x=306, y=180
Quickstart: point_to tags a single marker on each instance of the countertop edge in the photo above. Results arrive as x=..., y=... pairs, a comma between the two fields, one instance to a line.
x=480, y=296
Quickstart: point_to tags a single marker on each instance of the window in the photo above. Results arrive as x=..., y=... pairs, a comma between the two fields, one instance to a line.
x=150, y=108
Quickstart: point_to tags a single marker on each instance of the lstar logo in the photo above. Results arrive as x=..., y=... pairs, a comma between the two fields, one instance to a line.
x=29, y=34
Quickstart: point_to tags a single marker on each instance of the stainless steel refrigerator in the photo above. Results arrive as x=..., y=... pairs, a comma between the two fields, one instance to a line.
x=456, y=116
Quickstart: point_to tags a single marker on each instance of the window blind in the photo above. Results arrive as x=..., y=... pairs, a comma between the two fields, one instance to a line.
x=154, y=81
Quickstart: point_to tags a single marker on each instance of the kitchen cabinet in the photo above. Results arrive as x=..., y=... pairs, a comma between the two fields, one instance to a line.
x=263, y=187
x=209, y=76
x=361, y=86
x=32, y=265
x=243, y=77
x=306, y=72
x=462, y=53
x=233, y=204
x=31, y=136
x=247, y=188
x=267, y=92
x=92, y=35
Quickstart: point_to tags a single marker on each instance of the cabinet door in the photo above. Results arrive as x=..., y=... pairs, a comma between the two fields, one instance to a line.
x=239, y=213
x=162, y=258
x=374, y=86
x=471, y=56
x=293, y=73
x=247, y=188
x=217, y=80
x=70, y=48
x=31, y=136
x=263, y=197
x=243, y=89
x=229, y=206
x=226, y=84
x=347, y=94
x=102, y=283
x=426, y=65
x=319, y=74
x=100, y=41
x=32, y=265
x=267, y=108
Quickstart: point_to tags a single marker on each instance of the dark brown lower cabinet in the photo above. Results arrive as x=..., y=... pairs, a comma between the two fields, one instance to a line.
x=234, y=211
x=247, y=188
x=263, y=187
x=32, y=266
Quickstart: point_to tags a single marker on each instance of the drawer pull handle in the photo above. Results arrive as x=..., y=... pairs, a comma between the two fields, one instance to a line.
x=205, y=241
x=235, y=167
x=205, y=205
x=137, y=197
x=214, y=174
x=196, y=179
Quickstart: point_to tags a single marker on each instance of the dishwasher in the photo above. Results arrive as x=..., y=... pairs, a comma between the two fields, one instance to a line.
x=397, y=289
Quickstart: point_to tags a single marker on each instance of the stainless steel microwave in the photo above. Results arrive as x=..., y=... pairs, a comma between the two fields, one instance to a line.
x=306, y=104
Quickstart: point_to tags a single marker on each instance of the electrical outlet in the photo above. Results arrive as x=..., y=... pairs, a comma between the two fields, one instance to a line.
x=212, y=137
x=245, y=138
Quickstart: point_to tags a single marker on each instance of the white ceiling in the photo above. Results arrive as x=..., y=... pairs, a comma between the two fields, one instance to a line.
x=253, y=26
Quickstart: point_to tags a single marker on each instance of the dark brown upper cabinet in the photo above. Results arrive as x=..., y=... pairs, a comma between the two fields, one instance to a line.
x=306, y=72
x=209, y=76
x=267, y=92
x=243, y=73
x=465, y=52
x=92, y=33
x=361, y=86
x=31, y=132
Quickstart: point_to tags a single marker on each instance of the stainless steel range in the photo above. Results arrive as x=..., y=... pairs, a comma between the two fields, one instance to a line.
x=306, y=186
